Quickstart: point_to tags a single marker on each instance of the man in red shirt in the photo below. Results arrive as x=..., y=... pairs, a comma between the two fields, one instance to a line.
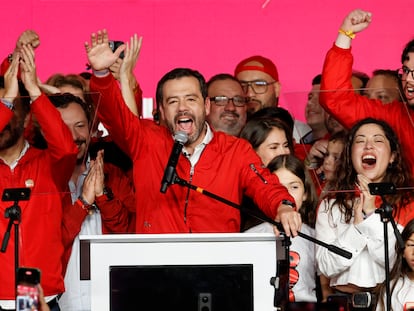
x=346, y=106
x=223, y=164
x=22, y=166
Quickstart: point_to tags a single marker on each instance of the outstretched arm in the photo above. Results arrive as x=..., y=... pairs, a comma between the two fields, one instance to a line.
x=123, y=69
x=114, y=114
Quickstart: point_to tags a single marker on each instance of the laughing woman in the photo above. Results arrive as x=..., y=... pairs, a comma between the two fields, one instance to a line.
x=346, y=217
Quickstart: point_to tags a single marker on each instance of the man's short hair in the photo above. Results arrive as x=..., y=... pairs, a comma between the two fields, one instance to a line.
x=409, y=48
x=63, y=100
x=176, y=74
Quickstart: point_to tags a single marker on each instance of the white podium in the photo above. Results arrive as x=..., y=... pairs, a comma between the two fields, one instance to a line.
x=254, y=251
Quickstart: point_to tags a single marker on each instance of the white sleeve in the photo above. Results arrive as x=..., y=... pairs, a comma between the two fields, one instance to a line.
x=331, y=228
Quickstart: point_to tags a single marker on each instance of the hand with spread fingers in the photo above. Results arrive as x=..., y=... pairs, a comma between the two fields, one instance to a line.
x=99, y=53
x=126, y=72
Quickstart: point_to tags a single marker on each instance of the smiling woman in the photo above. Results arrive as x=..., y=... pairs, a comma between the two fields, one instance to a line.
x=346, y=217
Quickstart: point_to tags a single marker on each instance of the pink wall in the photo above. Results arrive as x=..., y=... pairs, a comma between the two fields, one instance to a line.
x=211, y=35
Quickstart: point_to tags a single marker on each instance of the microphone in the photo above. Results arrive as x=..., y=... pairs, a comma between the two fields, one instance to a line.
x=180, y=139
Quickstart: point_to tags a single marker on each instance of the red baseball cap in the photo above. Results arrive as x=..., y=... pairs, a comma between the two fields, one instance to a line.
x=267, y=66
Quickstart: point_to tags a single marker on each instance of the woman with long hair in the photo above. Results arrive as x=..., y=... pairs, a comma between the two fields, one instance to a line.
x=346, y=217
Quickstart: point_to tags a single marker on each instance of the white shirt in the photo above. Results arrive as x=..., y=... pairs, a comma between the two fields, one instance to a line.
x=403, y=293
x=303, y=254
x=77, y=293
x=300, y=129
x=365, y=241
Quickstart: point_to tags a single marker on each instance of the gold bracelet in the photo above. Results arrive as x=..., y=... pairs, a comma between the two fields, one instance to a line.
x=350, y=34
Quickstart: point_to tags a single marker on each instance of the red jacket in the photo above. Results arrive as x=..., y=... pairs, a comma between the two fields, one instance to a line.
x=223, y=169
x=40, y=228
x=349, y=107
x=5, y=115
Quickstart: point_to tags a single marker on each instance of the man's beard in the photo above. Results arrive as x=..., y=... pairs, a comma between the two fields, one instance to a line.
x=80, y=143
x=10, y=136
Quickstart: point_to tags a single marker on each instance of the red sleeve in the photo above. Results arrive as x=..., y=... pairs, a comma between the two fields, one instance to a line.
x=138, y=99
x=120, y=122
x=261, y=185
x=5, y=115
x=59, y=139
x=116, y=212
x=337, y=95
x=73, y=216
x=348, y=107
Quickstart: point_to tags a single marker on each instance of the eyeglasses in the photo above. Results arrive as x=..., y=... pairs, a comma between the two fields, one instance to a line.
x=404, y=71
x=258, y=86
x=238, y=101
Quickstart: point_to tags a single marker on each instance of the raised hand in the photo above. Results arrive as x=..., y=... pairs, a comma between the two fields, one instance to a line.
x=317, y=153
x=356, y=21
x=10, y=80
x=28, y=71
x=99, y=53
x=132, y=50
x=126, y=74
x=28, y=37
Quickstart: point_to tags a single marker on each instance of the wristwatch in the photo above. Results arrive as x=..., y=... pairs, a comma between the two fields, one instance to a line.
x=89, y=208
x=290, y=203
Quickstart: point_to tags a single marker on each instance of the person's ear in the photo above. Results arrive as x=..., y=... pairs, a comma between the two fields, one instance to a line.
x=277, y=87
x=28, y=120
x=207, y=104
x=161, y=112
x=392, y=159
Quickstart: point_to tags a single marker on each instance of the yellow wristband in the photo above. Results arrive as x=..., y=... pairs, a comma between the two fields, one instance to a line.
x=350, y=34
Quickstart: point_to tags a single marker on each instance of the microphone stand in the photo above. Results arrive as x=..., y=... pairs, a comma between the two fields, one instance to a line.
x=385, y=211
x=14, y=214
x=332, y=248
x=275, y=281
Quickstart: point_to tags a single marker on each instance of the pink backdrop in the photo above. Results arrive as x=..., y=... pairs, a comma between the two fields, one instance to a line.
x=211, y=35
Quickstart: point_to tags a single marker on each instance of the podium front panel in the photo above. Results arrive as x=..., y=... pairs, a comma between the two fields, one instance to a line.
x=215, y=251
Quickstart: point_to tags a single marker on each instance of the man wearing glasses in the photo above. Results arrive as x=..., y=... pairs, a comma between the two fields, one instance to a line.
x=259, y=79
x=347, y=106
x=228, y=104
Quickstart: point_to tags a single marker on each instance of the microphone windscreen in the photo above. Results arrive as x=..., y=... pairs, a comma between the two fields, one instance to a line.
x=181, y=137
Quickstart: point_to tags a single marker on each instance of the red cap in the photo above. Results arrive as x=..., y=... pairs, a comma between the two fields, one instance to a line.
x=267, y=66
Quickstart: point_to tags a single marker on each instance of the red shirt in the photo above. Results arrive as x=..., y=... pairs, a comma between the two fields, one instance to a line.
x=224, y=169
x=40, y=228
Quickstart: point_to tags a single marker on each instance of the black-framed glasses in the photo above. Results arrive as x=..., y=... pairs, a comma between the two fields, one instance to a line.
x=258, y=86
x=404, y=71
x=238, y=101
